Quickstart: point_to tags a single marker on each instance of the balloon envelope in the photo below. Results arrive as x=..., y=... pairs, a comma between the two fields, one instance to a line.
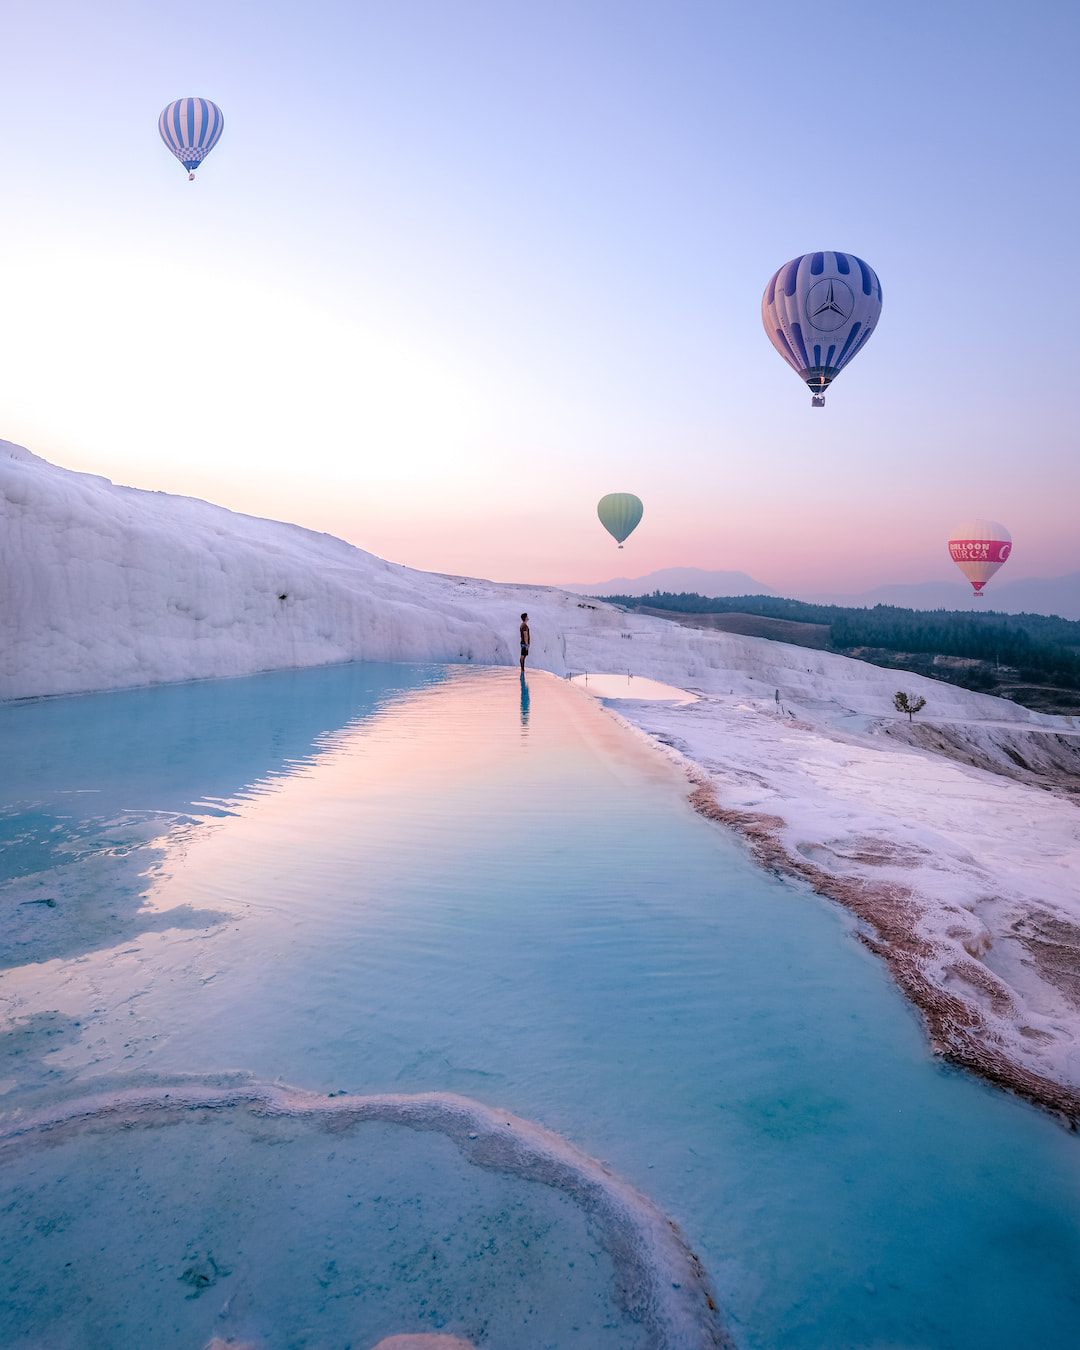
x=191, y=127
x=978, y=548
x=619, y=514
x=819, y=310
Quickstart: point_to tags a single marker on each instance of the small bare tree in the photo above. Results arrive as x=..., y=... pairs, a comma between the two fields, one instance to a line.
x=903, y=703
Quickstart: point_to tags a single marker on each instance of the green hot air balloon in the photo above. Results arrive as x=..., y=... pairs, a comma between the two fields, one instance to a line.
x=619, y=514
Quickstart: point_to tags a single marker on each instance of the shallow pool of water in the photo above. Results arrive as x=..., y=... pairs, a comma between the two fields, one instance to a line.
x=373, y=879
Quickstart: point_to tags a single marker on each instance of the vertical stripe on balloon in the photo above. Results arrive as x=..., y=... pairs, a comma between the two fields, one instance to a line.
x=770, y=292
x=784, y=348
x=850, y=339
x=800, y=345
x=191, y=127
x=855, y=350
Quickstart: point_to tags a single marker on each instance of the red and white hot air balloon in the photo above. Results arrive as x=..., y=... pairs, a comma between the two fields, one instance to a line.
x=978, y=548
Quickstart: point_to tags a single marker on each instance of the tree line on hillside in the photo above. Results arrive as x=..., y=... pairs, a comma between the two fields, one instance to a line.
x=1041, y=647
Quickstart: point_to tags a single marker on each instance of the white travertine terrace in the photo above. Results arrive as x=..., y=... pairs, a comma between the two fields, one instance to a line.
x=659, y=1282
x=956, y=838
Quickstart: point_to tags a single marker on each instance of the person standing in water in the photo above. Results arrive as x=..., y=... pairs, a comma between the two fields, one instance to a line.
x=524, y=631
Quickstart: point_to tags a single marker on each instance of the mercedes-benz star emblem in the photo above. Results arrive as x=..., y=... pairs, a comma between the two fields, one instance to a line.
x=829, y=303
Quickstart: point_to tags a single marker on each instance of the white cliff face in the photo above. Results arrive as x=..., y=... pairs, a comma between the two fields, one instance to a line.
x=107, y=587
x=960, y=825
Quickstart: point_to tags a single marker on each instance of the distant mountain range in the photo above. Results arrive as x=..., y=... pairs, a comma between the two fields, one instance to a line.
x=692, y=579
x=1031, y=595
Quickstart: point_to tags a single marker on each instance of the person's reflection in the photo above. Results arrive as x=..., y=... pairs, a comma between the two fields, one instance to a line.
x=524, y=703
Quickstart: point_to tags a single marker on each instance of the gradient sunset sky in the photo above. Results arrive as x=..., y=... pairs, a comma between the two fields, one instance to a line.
x=458, y=268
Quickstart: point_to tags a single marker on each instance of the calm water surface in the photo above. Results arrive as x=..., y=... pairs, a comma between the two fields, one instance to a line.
x=407, y=879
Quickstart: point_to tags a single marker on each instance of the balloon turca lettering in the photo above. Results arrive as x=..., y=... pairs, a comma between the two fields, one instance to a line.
x=979, y=548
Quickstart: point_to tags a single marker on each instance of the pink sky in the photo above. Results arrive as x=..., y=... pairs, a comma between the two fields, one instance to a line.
x=484, y=271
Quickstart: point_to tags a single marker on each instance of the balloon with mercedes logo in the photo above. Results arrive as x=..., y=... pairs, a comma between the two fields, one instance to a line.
x=819, y=310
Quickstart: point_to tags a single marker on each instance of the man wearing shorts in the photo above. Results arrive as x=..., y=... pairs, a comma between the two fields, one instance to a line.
x=524, y=630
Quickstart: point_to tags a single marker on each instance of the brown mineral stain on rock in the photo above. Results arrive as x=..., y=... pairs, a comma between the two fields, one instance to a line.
x=1043, y=758
x=1054, y=945
x=958, y=1031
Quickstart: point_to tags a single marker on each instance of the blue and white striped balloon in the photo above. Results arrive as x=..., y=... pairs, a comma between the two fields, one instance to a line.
x=191, y=127
x=819, y=310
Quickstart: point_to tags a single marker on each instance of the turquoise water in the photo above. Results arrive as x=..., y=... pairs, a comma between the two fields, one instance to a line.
x=271, y=1233
x=404, y=879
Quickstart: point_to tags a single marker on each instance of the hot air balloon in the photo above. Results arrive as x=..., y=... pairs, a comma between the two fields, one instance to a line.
x=978, y=548
x=191, y=127
x=818, y=311
x=619, y=514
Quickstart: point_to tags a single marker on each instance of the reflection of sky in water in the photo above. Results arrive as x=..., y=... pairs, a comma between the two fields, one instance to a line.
x=96, y=781
x=435, y=900
x=164, y=749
